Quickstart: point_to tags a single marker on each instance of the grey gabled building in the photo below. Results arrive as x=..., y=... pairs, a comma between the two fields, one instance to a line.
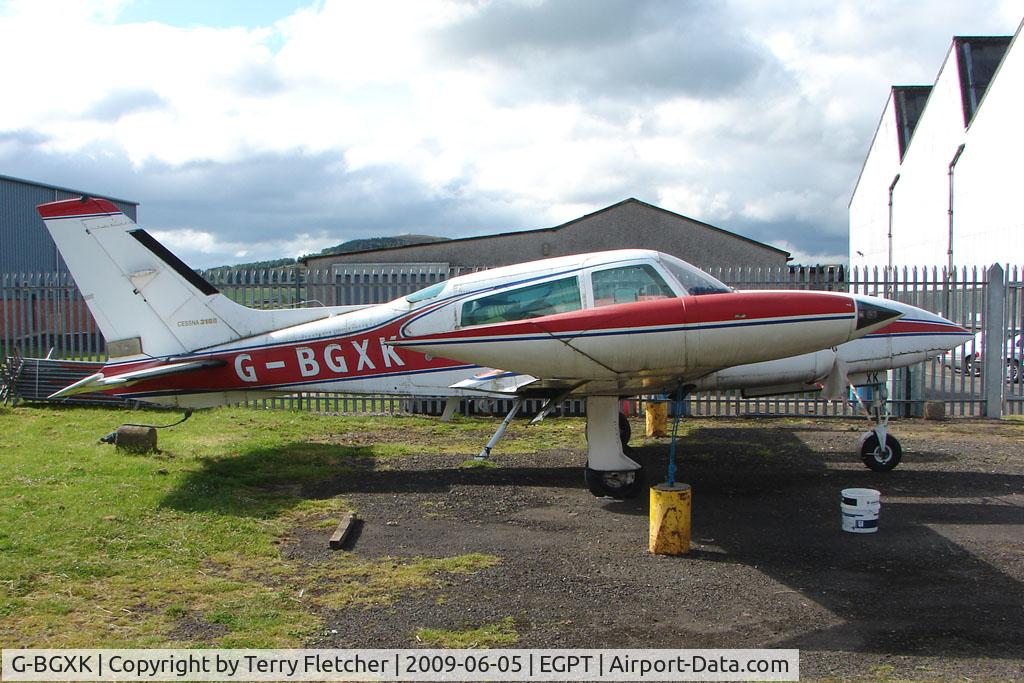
x=629, y=224
x=25, y=245
x=377, y=275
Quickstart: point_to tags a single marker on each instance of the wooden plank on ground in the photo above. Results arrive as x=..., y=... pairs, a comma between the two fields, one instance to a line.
x=341, y=534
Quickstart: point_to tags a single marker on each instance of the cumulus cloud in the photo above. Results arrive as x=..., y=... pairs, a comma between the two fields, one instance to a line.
x=349, y=119
x=218, y=212
x=613, y=50
x=199, y=245
x=120, y=103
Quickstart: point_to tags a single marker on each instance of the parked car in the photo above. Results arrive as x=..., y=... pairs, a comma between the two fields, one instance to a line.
x=968, y=358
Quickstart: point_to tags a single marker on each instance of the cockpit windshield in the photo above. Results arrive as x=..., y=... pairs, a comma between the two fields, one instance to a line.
x=426, y=293
x=695, y=281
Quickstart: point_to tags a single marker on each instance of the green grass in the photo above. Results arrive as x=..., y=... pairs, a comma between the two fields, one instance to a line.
x=500, y=634
x=183, y=547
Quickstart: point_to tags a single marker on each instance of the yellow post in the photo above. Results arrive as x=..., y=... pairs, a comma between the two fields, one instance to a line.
x=657, y=418
x=670, y=519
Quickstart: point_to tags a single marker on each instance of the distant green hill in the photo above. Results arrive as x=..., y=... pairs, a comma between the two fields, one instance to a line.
x=379, y=243
x=345, y=247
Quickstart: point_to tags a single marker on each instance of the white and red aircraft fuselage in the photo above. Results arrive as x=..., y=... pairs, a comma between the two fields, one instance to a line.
x=601, y=325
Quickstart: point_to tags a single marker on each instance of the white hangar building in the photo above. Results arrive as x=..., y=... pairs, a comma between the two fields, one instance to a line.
x=943, y=182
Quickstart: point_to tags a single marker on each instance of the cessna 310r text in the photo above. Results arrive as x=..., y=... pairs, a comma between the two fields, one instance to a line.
x=601, y=325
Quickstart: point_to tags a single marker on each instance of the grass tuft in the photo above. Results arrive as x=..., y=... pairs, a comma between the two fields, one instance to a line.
x=499, y=634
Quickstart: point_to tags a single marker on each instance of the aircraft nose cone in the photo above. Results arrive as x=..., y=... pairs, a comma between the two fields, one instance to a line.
x=869, y=314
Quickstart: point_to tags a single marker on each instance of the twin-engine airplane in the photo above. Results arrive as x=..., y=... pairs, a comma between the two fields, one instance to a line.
x=601, y=325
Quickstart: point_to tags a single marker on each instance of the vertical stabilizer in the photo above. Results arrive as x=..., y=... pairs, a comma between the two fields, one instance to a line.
x=146, y=301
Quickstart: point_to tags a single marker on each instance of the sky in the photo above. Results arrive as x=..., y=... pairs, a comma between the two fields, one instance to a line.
x=258, y=130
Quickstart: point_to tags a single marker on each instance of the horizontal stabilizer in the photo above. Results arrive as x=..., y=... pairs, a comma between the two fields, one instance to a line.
x=101, y=382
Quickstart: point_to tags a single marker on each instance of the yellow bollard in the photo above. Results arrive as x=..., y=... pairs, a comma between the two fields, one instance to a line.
x=657, y=418
x=670, y=519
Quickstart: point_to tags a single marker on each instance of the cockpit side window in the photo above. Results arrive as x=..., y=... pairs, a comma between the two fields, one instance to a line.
x=695, y=281
x=534, y=301
x=628, y=284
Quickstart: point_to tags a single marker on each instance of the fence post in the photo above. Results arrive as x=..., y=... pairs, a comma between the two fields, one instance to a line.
x=916, y=384
x=994, y=352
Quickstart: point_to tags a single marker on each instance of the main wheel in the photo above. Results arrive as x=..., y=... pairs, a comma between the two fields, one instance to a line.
x=621, y=485
x=881, y=460
x=625, y=430
x=1013, y=370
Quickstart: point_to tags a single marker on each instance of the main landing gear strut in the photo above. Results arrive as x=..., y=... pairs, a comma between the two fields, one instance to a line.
x=610, y=472
x=872, y=453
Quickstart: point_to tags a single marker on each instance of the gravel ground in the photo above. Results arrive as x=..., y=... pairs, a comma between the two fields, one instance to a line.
x=937, y=593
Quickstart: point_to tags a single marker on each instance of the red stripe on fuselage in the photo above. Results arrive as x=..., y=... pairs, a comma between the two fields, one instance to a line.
x=919, y=327
x=358, y=356
x=366, y=355
x=710, y=308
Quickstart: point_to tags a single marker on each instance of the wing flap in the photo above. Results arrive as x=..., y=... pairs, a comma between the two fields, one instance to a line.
x=496, y=382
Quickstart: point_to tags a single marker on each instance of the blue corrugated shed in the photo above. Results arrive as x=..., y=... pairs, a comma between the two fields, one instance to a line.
x=25, y=245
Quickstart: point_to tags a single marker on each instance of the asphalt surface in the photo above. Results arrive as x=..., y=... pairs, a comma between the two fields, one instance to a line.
x=937, y=593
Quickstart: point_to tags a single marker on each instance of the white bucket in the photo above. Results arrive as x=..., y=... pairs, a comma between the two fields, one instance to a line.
x=861, y=497
x=860, y=509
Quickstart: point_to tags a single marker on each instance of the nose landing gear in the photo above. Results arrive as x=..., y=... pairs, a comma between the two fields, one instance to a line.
x=877, y=458
x=873, y=454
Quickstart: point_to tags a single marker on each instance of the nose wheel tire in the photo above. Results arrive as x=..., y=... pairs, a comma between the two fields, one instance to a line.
x=878, y=459
x=621, y=485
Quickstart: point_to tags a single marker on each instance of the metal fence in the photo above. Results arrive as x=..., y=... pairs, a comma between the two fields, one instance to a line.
x=43, y=314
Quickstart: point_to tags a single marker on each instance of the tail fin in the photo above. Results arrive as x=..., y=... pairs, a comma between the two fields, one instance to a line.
x=146, y=301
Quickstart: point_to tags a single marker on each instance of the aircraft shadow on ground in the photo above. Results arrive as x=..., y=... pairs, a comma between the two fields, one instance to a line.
x=908, y=589
x=267, y=481
x=767, y=499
